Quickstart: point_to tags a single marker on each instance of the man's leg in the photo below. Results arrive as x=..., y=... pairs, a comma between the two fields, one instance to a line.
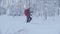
x=29, y=19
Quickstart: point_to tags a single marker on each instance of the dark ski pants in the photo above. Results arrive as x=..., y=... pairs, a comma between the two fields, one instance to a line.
x=29, y=19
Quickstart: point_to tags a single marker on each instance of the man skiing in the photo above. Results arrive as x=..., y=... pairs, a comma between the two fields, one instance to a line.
x=28, y=14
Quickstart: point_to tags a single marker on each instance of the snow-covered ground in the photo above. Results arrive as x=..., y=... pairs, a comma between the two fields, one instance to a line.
x=38, y=25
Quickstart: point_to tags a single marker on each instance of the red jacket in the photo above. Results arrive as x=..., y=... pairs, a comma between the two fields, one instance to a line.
x=26, y=12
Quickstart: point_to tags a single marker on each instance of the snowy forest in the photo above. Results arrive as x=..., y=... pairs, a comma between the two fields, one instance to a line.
x=44, y=8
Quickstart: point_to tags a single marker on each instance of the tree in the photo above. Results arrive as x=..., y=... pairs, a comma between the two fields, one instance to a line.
x=2, y=11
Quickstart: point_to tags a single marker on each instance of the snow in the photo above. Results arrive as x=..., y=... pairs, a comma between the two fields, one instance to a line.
x=38, y=25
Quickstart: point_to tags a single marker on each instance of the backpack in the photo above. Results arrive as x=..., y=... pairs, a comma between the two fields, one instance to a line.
x=26, y=12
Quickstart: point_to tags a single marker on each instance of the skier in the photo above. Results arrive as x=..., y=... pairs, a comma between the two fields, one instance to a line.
x=28, y=14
